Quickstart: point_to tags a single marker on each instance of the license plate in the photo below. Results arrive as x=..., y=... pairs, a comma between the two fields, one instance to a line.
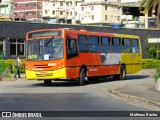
x=43, y=73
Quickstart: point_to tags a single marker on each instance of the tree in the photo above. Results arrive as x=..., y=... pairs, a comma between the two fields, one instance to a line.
x=154, y=7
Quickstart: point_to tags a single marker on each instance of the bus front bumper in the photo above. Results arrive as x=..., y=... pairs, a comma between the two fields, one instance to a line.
x=43, y=75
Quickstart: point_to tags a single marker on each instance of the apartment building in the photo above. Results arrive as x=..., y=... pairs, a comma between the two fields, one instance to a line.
x=101, y=11
x=61, y=11
x=30, y=10
x=5, y=9
x=82, y=11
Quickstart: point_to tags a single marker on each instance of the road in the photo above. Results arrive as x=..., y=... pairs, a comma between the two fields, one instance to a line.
x=23, y=95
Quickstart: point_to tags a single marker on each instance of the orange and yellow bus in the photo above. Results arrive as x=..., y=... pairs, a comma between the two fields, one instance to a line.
x=67, y=54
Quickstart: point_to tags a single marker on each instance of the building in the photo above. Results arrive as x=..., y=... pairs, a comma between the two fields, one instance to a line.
x=5, y=10
x=61, y=11
x=30, y=10
x=101, y=11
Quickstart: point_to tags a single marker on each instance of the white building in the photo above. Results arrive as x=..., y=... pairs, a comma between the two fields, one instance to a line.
x=63, y=11
x=84, y=11
x=5, y=9
x=101, y=11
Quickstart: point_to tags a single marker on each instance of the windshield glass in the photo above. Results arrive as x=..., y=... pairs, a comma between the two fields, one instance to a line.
x=44, y=49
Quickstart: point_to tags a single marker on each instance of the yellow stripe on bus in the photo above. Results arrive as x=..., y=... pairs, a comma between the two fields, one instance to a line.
x=56, y=74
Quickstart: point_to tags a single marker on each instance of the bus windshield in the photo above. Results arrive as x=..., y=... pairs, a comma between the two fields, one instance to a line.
x=44, y=49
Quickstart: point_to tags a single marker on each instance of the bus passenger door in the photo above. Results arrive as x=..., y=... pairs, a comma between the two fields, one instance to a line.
x=136, y=55
x=72, y=57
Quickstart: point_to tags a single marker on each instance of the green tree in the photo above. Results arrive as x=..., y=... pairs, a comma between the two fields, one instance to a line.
x=153, y=6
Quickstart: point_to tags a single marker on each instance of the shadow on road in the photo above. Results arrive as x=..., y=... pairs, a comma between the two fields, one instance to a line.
x=98, y=81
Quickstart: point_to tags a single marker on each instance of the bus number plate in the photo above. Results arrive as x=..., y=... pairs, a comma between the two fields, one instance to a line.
x=43, y=73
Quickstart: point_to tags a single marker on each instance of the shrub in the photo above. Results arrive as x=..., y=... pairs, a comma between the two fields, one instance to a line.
x=10, y=63
x=149, y=63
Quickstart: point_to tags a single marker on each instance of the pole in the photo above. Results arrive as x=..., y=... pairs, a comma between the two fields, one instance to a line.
x=157, y=58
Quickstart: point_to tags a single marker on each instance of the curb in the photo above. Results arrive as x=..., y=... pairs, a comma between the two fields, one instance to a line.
x=133, y=98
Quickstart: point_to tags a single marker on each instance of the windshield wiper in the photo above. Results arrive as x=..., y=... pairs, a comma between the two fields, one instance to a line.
x=49, y=41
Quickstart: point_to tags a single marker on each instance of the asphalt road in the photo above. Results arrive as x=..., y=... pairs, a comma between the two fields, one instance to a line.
x=23, y=95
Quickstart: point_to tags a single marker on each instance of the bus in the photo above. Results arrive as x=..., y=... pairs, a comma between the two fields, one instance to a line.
x=68, y=54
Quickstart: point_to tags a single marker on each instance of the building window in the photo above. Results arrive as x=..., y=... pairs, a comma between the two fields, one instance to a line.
x=106, y=17
x=70, y=13
x=92, y=7
x=30, y=4
x=53, y=12
x=61, y=3
x=61, y=12
x=67, y=13
x=82, y=8
x=31, y=13
x=16, y=47
x=46, y=11
x=15, y=5
x=118, y=18
x=92, y=17
x=105, y=7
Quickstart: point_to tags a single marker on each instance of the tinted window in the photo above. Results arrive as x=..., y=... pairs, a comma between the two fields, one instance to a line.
x=117, y=48
x=94, y=46
x=93, y=40
x=135, y=42
x=135, y=46
x=105, y=41
x=126, y=41
x=83, y=43
x=116, y=41
x=82, y=39
x=126, y=45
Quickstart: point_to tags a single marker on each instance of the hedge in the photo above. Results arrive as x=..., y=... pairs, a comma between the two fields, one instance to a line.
x=150, y=63
x=10, y=63
x=147, y=64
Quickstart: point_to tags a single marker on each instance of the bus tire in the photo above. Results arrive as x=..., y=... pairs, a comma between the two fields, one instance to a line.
x=122, y=75
x=47, y=82
x=81, y=80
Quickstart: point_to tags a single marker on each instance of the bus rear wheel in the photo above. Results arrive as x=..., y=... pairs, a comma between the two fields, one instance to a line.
x=82, y=76
x=122, y=75
x=47, y=82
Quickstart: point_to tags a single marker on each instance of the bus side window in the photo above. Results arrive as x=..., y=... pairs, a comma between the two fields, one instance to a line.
x=135, y=46
x=71, y=48
x=116, y=42
x=126, y=45
x=94, y=46
x=106, y=47
x=83, y=44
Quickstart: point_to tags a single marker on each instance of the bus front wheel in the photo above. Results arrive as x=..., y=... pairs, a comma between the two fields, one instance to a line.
x=47, y=82
x=82, y=76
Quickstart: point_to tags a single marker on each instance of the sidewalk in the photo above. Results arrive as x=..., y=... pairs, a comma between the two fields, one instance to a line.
x=142, y=91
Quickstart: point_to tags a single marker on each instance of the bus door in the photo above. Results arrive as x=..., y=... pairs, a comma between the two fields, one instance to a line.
x=72, y=56
x=136, y=55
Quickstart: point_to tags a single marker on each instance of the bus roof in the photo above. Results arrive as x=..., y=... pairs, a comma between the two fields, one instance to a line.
x=87, y=32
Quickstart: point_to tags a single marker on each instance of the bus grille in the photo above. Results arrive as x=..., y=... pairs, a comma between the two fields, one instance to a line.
x=42, y=66
x=44, y=75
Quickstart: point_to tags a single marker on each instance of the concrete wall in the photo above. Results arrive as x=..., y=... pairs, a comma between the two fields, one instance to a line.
x=19, y=30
